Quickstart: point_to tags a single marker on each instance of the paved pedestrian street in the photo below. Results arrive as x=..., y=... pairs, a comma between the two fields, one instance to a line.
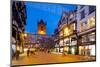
x=44, y=58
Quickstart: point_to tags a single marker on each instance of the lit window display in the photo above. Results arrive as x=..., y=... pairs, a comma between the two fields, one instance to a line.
x=92, y=50
x=81, y=50
x=87, y=50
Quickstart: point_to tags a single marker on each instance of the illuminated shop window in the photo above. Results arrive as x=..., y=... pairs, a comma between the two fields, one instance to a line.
x=92, y=50
x=87, y=50
x=73, y=50
x=81, y=49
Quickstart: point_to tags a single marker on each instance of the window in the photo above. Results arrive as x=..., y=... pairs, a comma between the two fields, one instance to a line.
x=92, y=51
x=72, y=26
x=91, y=9
x=42, y=28
x=66, y=41
x=91, y=22
x=74, y=43
x=66, y=31
x=92, y=36
x=82, y=14
x=85, y=38
x=83, y=26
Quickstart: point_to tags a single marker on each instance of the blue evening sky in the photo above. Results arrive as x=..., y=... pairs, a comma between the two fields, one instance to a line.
x=50, y=13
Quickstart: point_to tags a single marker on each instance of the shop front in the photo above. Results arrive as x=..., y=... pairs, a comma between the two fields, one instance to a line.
x=57, y=48
x=70, y=45
x=87, y=50
x=73, y=44
x=61, y=49
x=88, y=43
x=73, y=50
x=61, y=45
x=66, y=45
x=66, y=49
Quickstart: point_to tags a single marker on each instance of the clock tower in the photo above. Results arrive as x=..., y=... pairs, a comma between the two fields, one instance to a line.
x=41, y=27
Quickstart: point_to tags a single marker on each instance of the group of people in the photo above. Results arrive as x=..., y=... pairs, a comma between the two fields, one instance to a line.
x=30, y=51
